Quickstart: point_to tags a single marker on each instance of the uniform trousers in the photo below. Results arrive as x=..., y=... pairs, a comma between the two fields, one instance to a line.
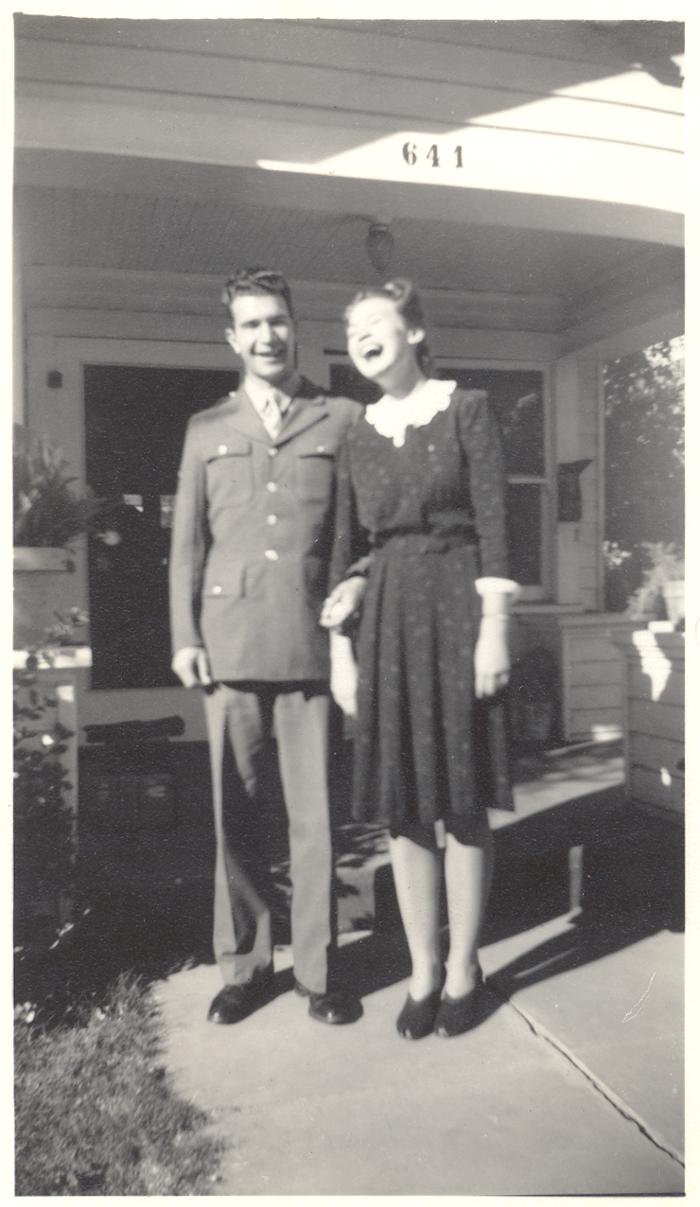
x=241, y=719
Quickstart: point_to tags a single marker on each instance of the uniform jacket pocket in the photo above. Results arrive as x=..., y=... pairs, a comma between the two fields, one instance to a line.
x=227, y=583
x=314, y=472
x=230, y=471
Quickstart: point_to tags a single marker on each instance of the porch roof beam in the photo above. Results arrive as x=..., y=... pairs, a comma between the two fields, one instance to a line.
x=52, y=153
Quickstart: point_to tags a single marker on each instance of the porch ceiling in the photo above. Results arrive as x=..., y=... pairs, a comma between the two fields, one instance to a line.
x=147, y=226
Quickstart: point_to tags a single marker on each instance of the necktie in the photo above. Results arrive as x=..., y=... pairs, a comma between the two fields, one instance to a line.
x=272, y=416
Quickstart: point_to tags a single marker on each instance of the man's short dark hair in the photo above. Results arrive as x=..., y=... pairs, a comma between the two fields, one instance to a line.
x=260, y=281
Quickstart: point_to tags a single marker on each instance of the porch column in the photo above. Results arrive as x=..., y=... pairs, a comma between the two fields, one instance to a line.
x=576, y=387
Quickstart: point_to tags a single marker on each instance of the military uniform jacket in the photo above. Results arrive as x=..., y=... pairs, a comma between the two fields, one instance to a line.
x=252, y=535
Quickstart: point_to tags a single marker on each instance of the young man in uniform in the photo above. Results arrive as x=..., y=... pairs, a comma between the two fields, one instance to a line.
x=249, y=561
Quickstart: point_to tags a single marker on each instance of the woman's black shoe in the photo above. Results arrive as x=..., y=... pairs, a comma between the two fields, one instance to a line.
x=456, y=1015
x=417, y=1019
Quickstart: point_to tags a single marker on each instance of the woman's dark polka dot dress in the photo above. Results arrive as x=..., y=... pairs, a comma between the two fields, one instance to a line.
x=433, y=514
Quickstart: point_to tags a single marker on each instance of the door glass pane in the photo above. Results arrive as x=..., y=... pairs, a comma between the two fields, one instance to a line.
x=524, y=526
x=517, y=396
x=135, y=420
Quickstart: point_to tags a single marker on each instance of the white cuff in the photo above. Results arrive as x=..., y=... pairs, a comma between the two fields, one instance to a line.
x=500, y=586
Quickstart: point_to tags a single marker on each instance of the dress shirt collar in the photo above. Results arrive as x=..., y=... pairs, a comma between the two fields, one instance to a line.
x=259, y=392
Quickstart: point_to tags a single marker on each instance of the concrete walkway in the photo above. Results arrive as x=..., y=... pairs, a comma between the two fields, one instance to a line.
x=570, y=1084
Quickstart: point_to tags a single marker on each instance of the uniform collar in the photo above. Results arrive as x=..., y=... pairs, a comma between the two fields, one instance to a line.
x=310, y=405
x=259, y=392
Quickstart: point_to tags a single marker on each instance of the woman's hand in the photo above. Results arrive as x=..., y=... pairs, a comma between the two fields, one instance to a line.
x=491, y=656
x=343, y=674
x=343, y=601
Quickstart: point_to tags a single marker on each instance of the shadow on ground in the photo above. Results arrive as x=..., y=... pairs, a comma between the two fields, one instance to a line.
x=147, y=895
x=616, y=873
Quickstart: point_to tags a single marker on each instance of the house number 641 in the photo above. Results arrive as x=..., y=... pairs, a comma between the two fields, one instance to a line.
x=412, y=153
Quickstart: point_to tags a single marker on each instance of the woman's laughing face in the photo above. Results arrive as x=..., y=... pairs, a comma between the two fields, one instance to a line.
x=379, y=339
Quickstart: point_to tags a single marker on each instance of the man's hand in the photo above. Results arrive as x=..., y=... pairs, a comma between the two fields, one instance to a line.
x=491, y=657
x=343, y=674
x=343, y=601
x=191, y=665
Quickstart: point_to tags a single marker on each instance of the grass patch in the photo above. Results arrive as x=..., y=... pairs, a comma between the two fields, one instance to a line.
x=94, y=1112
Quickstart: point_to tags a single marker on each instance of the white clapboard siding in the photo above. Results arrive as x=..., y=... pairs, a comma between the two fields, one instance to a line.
x=641, y=687
x=652, y=753
x=567, y=58
x=588, y=648
x=587, y=698
x=85, y=51
x=656, y=719
x=609, y=671
x=655, y=724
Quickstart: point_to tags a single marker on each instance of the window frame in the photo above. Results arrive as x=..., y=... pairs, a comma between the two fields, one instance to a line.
x=542, y=592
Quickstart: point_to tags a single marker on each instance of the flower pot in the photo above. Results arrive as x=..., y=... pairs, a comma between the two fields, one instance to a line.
x=43, y=585
x=674, y=599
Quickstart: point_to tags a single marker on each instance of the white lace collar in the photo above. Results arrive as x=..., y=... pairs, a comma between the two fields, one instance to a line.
x=391, y=416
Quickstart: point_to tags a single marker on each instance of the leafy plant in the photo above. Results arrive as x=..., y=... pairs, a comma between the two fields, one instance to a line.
x=664, y=565
x=46, y=509
x=43, y=823
x=644, y=463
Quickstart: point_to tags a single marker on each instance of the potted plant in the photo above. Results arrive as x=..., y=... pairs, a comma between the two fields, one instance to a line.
x=661, y=593
x=47, y=514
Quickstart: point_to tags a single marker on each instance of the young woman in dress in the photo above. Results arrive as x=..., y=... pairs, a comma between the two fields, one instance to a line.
x=420, y=508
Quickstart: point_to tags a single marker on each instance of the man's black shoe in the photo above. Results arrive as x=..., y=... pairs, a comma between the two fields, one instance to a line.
x=235, y=1002
x=329, y=1007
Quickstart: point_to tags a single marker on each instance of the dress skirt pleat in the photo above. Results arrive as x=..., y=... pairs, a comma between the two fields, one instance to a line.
x=423, y=745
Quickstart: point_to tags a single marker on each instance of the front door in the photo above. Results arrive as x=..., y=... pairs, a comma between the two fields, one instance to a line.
x=135, y=420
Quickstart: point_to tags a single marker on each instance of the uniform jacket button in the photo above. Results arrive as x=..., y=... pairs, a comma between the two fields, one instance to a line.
x=272, y=487
x=272, y=555
x=272, y=519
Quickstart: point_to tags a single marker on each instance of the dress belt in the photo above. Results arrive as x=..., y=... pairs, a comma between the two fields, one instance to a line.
x=413, y=542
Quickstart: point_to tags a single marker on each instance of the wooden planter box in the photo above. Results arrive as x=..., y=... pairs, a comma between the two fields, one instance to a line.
x=591, y=667
x=655, y=718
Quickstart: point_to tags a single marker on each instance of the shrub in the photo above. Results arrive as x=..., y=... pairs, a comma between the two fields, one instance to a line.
x=663, y=564
x=43, y=823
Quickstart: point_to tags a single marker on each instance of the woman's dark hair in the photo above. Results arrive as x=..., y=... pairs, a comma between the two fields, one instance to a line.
x=404, y=295
x=247, y=281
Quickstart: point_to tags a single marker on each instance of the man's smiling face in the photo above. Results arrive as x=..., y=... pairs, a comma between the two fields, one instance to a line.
x=262, y=334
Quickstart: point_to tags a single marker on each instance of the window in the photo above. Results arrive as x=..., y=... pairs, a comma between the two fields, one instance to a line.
x=517, y=396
